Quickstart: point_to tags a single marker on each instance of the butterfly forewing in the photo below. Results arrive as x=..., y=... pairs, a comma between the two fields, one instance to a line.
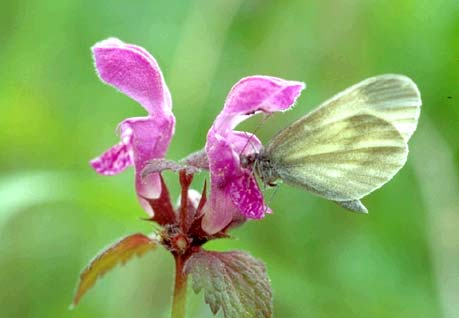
x=342, y=160
x=394, y=98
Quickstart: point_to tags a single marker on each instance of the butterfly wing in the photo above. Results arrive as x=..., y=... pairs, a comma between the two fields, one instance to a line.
x=343, y=160
x=392, y=97
x=352, y=144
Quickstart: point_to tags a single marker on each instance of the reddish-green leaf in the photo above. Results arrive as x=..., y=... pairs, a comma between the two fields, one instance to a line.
x=118, y=253
x=234, y=281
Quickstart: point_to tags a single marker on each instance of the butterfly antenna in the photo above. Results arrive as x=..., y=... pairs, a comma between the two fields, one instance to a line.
x=253, y=134
x=252, y=172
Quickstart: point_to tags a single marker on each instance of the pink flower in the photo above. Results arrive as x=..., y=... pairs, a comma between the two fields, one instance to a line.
x=234, y=193
x=134, y=72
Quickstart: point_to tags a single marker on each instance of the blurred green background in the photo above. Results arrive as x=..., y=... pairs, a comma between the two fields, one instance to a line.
x=402, y=260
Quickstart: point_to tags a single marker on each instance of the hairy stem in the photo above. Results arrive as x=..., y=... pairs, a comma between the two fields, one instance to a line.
x=184, y=212
x=179, y=298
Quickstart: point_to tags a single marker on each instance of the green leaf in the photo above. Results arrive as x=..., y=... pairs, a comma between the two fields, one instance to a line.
x=234, y=281
x=118, y=253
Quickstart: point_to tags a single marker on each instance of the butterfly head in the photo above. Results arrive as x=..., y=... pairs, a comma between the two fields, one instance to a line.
x=261, y=165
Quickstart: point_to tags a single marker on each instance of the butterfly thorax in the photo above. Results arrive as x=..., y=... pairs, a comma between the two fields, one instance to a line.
x=261, y=165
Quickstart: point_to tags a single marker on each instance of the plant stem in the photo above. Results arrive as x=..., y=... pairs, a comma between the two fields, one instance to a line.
x=179, y=298
x=184, y=212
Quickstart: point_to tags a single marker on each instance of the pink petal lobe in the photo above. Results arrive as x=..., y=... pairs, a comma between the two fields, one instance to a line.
x=257, y=93
x=220, y=208
x=247, y=197
x=134, y=72
x=114, y=160
x=215, y=222
x=150, y=140
x=243, y=142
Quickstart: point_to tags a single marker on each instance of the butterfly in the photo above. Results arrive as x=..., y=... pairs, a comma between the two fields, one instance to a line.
x=349, y=146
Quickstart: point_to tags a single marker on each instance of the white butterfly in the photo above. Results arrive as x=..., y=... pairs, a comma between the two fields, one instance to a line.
x=349, y=146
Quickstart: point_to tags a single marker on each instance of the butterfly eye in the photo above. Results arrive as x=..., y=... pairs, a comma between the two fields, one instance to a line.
x=244, y=161
x=247, y=161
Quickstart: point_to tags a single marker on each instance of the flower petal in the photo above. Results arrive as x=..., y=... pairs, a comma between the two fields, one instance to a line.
x=257, y=93
x=215, y=222
x=134, y=72
x=223, y=161
x=247, y=196
x=150, y=140
x=244, y=143
x=114, y=160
